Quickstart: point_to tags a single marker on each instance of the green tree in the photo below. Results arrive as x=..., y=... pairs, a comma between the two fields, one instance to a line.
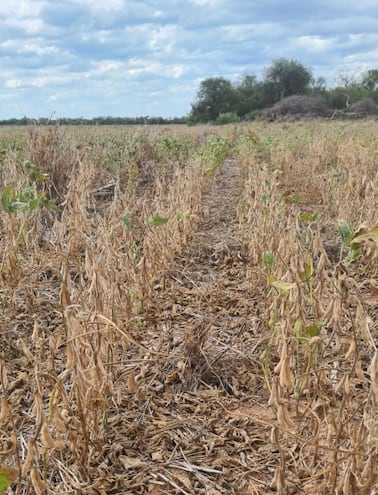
x=249, y=96
x=370, y=80
x=215, y=96
x=285, y=77
x=348, y=91
x=370, y=84
x=318, y=86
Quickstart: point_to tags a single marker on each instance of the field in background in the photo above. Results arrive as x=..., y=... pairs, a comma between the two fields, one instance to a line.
x=91, y=223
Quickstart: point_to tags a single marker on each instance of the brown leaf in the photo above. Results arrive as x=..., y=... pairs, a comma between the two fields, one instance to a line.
x=131, y=462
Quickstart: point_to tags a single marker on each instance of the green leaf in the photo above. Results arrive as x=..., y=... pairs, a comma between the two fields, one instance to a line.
x=30, y=166
x=372, y=235
x=269, y=260
x=307, y=217
x=345, y=232
x=34, y=170
x=18, y=206
x=273, y=318
x=51, y=205
x=33, y=204
x=282, y=285
x=295, y=198
x=354, y=253
x=298, y=329
x=313, y=330
x=308, y=272
x=6, y=197
x=157, y=221
x=127, y=223
x=41, y=176
x=7, y=477
x=334, y=172
x=185, y=215
x=211, y=170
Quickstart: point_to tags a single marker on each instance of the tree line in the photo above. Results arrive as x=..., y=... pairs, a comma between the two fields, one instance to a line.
x=145, y=120
x=220, y=100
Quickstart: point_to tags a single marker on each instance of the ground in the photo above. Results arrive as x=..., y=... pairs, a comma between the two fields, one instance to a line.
x=202, y=425
x=189, y=320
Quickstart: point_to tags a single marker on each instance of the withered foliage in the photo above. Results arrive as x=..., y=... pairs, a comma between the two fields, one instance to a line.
x=196, y=315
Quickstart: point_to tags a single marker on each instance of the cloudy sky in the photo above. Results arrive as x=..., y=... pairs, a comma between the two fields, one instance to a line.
x=72, y=58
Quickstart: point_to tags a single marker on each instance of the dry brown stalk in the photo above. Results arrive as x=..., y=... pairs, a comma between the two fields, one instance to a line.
x=318, y=319
x=175, y=327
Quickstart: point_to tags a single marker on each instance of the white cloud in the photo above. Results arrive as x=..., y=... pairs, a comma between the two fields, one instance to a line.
x=163, y=39
x=93, y=57
x=106, y=66
x=21, y=9
x=178, y=71
x=247, y=32
x=139, y=67
x=30, y=26
x=26, y=47
x=13, y=83
x=104, y=5
x=210, y=3
x=102, y=36
x=313, y=44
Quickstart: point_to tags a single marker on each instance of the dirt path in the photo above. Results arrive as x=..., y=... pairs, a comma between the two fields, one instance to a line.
x=207, y=302
x=203, y=425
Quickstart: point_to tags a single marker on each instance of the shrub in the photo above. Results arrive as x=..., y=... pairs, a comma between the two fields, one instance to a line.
x=227, y=118
x=253, y=115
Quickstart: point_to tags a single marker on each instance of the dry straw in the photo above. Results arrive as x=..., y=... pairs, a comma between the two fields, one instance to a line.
x=175, y=322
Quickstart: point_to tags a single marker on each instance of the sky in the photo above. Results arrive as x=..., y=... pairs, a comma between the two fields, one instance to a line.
x=89, y=58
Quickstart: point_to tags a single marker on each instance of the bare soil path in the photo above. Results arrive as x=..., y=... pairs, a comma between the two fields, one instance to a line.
x=202, y=425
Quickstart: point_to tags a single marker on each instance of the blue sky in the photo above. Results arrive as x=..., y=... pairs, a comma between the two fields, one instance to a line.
x=72, y=58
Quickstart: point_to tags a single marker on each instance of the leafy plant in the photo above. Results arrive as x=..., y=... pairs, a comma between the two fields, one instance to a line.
x=214, y=152
x=29, y=199
x=127, y=223
x=7, y=477
x=360, y=237
x=34, y=171
x=227, y=118
x=353, y=240
x=269, y=260
x=157, y=221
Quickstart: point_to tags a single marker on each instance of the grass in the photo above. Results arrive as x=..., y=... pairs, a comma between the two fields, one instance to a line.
x=95, y=374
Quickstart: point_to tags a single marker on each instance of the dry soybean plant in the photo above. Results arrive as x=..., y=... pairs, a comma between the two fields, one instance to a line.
x=310, y=207
x=90, y=221
x=88, y=224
